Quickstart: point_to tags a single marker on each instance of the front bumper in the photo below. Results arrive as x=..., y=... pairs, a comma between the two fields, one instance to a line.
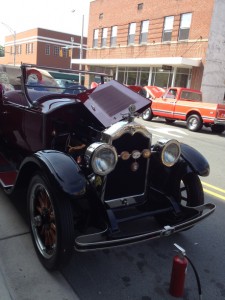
x=104, y=239
x=219, y=121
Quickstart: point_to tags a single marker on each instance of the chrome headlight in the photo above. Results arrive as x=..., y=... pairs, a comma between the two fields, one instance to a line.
x=101, y=157
x=170, y=151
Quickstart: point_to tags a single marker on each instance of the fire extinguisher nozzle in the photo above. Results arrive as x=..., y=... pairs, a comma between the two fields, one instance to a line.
x=180, y=249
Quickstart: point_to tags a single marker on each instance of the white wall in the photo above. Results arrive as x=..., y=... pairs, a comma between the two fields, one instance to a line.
x=213, y=81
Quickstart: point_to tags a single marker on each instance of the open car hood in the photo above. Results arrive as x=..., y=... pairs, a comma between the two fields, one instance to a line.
x=110, y=101
x=154, y=91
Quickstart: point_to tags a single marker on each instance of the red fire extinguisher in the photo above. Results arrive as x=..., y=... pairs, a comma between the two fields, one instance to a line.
x=178, y=274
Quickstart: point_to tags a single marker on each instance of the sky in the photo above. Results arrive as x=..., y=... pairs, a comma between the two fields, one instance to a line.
x=59, y=15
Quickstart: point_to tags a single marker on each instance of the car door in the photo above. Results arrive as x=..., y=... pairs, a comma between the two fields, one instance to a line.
x=165, y=105
x=20, y=124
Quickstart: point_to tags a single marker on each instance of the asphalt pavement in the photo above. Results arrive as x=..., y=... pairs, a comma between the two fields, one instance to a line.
x=22, y=277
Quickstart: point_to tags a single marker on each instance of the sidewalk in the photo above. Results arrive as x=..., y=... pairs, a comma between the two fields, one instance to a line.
x=22, y=277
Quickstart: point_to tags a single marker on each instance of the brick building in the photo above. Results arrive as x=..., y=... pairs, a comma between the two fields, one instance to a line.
x=159, y=42
x=43, y=47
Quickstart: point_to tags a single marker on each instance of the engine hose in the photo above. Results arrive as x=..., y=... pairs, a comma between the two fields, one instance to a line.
x=196, y=276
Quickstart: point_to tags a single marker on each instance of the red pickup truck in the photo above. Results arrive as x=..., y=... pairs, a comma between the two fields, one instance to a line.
x=178, y=103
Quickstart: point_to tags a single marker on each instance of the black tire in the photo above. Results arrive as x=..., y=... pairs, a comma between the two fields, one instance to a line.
x=190, y=193
x=51, y=223
x=217, y=128
x=194, y=122
x=147, y=115
x=170, y=121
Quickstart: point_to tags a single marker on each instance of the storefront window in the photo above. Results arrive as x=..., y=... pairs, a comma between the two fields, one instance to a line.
x=143, y=76
x=131, y=78
x=161, y=78
x=121, y=77
x=182, y=76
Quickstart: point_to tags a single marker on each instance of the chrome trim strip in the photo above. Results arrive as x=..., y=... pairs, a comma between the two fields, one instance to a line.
x=120, y=128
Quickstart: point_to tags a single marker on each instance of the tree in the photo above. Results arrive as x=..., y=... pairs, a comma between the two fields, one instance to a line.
x=2, y=51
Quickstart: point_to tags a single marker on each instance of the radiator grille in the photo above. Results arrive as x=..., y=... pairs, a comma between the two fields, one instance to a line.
x=123, y=182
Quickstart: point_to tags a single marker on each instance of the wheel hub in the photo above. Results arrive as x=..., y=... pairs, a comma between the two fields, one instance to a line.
x=44, y=227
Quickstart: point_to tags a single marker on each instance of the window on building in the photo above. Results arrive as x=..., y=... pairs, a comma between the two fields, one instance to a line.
x=131, y=33
x=113, y=36
x=64, y=52
x=29, y=48
x=19, y=49
x=47, y=49
x=104, y=37
x=144, y=31
x=56, y=51
x=168, y=28
x=140, y=6
x=100, y=16
x=185, y=25
x=95, y=38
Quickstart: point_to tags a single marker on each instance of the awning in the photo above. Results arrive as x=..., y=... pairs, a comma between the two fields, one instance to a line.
x=141, y=62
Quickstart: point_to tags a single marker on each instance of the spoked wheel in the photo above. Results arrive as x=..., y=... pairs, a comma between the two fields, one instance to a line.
x=51, y=223
x=147, y=115
x=190, y=193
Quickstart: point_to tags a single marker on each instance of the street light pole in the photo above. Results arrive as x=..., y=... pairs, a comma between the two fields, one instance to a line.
x=14, y=41
x=72, y=40
x=81, y=44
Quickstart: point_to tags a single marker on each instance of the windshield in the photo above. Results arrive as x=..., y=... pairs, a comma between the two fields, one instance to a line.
x=52, y=82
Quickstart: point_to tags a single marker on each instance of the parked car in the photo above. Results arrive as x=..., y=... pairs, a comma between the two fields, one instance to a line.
x=178, y=103
x=91, y=175
x=138, y=89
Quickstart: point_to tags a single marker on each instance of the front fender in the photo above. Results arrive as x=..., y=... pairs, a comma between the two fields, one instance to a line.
x=62, y=171
x=166, y=179
x=195, y=160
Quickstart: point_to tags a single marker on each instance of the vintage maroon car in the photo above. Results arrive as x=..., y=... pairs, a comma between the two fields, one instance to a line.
x=91, y=175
